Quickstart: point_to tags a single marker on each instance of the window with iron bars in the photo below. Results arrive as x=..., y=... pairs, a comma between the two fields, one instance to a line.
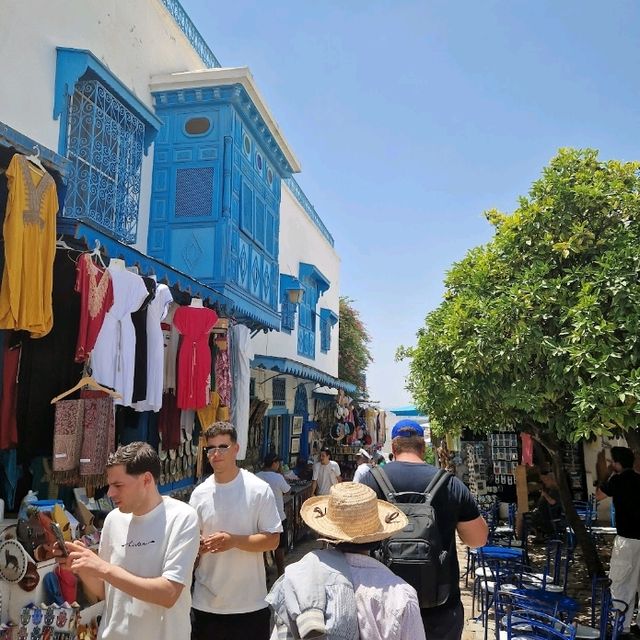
x=105, y=143
x=278, y=392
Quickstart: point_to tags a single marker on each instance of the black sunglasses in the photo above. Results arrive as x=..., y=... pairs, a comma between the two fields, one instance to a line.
x=221, y=449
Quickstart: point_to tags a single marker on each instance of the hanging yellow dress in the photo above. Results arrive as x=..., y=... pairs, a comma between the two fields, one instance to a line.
x=29, y=248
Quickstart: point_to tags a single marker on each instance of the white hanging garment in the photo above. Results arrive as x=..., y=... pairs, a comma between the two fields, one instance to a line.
x=241, y=355
x=113, y=357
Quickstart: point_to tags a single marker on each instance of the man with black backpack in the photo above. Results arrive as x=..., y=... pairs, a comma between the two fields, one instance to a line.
x=437, y=505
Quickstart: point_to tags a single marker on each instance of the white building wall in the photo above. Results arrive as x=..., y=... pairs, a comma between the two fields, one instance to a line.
x=302, y=241
x=135, y=39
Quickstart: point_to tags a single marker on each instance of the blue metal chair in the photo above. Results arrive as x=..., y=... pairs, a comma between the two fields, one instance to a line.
x=535, y=625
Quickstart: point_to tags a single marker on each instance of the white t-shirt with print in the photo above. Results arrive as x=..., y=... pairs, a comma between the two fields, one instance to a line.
x=278, y=485
x=233, y=581
x=163, y=542
x=326, y=475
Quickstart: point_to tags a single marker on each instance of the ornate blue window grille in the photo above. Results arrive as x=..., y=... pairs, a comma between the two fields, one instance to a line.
x=278, y=394
x=327, y=319
x=105, y=143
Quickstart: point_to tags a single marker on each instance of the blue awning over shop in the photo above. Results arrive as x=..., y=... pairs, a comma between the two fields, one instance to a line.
x=407, y=410
x=300, y=370
x=147, y=265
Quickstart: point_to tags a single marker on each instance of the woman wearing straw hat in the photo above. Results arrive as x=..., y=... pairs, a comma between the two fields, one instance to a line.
x=341, y=593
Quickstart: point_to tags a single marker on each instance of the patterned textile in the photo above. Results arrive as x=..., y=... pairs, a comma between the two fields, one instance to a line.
x=96, y=298
x=84, y=436
x=67, y=439
x=99, y=436
x=223, y=377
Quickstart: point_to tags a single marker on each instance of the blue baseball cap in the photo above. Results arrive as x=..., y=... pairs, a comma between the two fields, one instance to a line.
x=406, y=429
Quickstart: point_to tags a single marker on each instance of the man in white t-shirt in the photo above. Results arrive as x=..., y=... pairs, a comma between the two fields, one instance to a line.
x=364, y=465
x=148, y=547
x=273, y=477
x=239, y=520
x=326, y=473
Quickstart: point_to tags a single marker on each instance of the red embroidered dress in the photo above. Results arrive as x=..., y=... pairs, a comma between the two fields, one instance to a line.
x=194, y=357
x=96, y=298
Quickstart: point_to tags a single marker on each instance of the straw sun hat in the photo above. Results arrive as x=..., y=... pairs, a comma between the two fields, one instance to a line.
x=352, y=513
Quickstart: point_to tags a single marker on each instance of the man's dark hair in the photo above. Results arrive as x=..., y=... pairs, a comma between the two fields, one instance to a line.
x=326, y=450
x=222, y=429
x=137, y=458
x=624, y=456
x=410, y=444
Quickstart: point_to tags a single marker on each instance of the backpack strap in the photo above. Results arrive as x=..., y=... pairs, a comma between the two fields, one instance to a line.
x=440, y=479
x=381, y=477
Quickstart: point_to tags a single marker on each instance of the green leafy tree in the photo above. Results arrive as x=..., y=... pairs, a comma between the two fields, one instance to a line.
x=539, y=328
x=353, y=352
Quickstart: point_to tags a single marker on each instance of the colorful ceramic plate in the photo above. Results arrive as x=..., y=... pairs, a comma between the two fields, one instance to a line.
x=13, y=561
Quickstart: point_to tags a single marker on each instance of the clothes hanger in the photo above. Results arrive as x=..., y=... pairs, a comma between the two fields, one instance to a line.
x=96, y=252
x=61, y=244
x=87, y=381
x=34, y=158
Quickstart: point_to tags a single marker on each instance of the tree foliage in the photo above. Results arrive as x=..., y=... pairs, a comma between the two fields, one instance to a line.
x=353, y=353
x=539, y=328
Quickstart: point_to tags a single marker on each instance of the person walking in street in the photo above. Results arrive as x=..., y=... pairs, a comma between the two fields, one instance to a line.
x=623, y=485
x=456, y=511
x=326, y=473
x=341, y=592
x=239, y=521
x=271, y=474
x=364, y=464
x=148, y=547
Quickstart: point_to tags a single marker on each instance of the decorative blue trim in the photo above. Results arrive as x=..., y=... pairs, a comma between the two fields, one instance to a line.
x=329, y=315
x=295, y=368
x=71, y=65
x=300, y=196
x=311, y=271
x=23, y=144
x=229, y=304
x=236, y=95
x=182, y=19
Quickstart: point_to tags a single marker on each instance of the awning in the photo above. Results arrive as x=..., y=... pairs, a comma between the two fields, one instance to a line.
x=300, y=370
x=407, y=410
x=147, y=265
x=311, y=271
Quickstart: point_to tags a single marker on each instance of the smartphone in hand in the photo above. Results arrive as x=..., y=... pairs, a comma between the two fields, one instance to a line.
x=55, y=527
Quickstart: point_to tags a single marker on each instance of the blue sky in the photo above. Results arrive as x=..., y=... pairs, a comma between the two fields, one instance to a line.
x=412, y=118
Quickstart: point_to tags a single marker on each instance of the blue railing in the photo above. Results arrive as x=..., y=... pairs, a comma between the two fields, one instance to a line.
x=175, y=8
x=308, y=207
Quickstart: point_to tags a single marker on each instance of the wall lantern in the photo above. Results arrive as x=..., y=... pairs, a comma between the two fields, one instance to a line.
x=295, y=295
x=292, y=287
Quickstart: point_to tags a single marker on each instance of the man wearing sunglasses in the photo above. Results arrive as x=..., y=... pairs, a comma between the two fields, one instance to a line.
x=239, y=521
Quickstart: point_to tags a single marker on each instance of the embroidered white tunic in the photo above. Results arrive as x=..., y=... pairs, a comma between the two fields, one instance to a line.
x=113, y=356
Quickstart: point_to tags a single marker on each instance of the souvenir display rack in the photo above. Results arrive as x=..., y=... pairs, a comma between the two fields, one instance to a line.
x=345, y=456
x=573, y=462
x=480, y=470
x=505, y=455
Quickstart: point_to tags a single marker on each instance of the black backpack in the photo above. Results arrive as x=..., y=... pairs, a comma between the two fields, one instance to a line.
x=416, y=554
